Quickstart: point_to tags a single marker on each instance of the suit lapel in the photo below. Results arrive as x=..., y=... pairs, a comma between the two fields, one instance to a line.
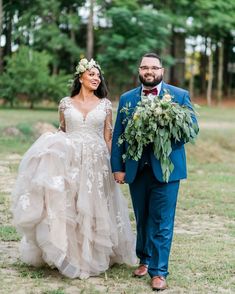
x=163, y=89
x=136, y=96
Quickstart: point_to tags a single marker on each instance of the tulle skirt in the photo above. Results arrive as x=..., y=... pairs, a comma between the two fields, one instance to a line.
x=69, y=210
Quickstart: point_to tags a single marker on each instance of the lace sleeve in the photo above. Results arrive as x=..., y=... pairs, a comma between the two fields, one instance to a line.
x=108, y=106
x=108, y=126
x=62, y=107
x=109, y=111
x=62, y=104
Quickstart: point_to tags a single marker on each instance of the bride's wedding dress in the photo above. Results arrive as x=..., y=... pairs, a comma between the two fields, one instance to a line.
x=66, y=204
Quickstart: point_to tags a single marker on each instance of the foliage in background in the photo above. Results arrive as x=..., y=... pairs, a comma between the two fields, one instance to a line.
x=27, y=75
x=123, y=30
x=127, y=38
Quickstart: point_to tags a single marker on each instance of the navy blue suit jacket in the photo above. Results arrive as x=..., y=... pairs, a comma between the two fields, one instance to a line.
x=130, y=166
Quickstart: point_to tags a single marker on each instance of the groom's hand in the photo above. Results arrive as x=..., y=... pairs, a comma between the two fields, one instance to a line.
x=119, y=177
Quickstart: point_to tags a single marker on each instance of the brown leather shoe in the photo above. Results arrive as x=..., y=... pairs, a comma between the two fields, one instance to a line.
x=141, y=270
x=158, y=283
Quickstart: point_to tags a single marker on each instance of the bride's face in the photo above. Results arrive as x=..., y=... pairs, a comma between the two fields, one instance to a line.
x=90, y=79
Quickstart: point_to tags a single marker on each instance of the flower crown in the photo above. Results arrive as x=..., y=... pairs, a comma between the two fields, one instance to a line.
x=84, y=65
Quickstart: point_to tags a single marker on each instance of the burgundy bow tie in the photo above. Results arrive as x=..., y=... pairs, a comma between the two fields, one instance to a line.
x=153, y=91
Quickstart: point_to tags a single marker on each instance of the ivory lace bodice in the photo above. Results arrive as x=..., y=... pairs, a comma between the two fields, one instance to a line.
x=91, y=126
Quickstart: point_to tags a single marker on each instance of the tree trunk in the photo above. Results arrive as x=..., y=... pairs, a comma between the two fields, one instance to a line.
x=228, y=44
x=1, y=52
x=192, y=74
x=31, y=106
x=203, y=66
x=177, y=72
x=179, y=55
x=90, y=32
x=73, y=38
x=8, y=34
x=172, y=53
x=72, y=35
x=167, y=78
x=55, y=69
x=210, y=76
x=220, y=72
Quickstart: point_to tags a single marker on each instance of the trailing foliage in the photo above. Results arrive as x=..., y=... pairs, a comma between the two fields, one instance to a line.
x=123, y=31
x=160, y=122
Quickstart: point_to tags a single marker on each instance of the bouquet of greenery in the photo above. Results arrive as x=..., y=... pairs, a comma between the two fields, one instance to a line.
x=160, y=122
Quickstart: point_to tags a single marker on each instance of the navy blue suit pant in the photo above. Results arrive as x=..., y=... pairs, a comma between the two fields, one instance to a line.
x=154, y=206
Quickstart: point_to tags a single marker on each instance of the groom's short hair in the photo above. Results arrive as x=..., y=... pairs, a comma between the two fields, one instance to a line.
x=153, y=55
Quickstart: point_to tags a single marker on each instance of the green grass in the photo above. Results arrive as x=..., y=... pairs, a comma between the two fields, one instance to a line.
x=217, y=114
x=8, y=233
x=24, y=120
x=3, y=198
x=13, y=117
x=202, y=258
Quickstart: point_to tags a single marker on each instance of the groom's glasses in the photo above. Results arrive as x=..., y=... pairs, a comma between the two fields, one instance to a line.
x=153, y=68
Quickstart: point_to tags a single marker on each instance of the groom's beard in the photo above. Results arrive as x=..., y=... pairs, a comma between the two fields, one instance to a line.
x=153, y=83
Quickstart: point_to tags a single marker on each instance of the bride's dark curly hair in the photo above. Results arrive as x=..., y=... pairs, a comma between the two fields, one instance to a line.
x=100, y=92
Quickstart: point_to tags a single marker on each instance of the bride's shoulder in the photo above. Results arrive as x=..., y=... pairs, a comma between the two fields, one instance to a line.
x=64, y=102
x=108, y=103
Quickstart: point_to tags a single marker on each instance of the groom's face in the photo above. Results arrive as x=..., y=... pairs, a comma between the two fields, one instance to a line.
x=150, y=71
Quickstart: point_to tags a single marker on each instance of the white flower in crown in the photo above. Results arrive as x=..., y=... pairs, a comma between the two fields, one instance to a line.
x=84, y=65
x=83, y=61
x=82, y=68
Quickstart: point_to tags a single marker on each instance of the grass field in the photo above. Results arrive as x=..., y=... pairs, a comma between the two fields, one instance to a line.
x=203, y=254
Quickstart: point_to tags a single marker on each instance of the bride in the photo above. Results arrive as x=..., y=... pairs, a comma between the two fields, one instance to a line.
x=66, y=204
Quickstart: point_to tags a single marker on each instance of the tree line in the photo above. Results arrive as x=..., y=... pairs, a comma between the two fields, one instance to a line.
x=42, y=41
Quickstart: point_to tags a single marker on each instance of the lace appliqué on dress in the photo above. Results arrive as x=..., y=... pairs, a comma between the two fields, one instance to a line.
x=64, y=103
x=24, y=201
x=108, y=110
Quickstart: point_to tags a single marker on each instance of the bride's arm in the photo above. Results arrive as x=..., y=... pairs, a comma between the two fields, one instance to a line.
x=108, y=127
x=61, y=109
x=62, y=122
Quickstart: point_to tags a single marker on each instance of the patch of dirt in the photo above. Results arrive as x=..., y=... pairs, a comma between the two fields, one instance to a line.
x=7, y=179
x=227, y=102
x=203, y=224
x=11, y=131
x=42, y=127
x=9, y=251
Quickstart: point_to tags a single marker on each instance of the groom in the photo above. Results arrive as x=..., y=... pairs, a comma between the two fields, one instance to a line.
x=154, y=201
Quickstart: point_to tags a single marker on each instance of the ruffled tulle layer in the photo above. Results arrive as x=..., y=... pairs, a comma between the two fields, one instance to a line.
x=68, y=208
